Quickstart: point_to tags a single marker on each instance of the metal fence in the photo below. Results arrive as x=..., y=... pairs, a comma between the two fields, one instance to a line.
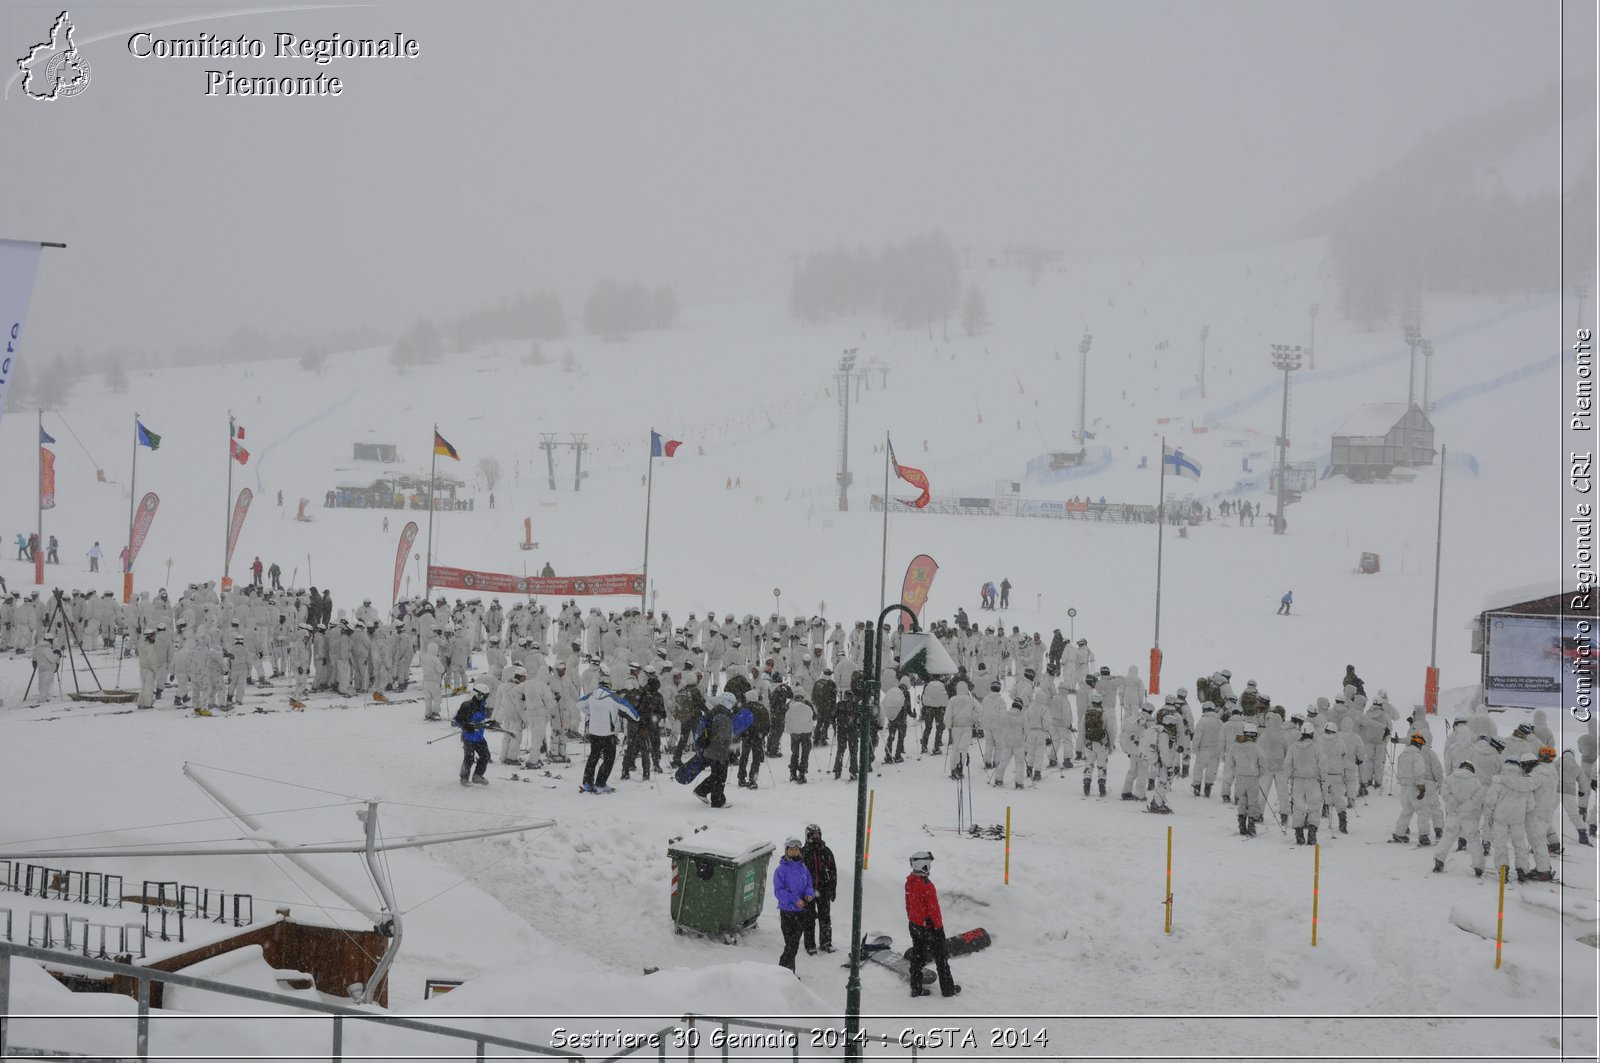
x=695, y=1036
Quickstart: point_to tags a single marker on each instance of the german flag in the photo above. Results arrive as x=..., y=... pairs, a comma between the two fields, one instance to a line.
x=442, y=447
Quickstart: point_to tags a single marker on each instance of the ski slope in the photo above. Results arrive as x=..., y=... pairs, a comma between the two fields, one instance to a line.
x=565, y=920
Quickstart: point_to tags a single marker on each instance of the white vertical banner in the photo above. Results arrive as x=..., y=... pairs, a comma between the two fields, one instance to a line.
x=19, y=265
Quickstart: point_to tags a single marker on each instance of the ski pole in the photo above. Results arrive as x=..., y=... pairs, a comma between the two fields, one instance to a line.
x=1274, y=808
x=453, y=733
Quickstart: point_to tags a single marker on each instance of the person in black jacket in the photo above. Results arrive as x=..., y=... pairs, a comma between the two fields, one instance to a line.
x=825, y=878
x=718, y=749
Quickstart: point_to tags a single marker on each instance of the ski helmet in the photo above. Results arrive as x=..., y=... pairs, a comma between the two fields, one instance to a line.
x=922, y=862
x=481, y=688
x=1306, y=730
x=1418, y=739
x=791, y=843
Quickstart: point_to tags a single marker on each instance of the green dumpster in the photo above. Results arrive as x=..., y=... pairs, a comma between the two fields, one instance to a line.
x=719, y=882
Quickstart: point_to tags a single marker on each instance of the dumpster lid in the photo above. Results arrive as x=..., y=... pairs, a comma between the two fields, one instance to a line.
x=732, y=845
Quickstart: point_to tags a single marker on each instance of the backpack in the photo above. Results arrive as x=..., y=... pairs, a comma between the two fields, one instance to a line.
x=1094, y=728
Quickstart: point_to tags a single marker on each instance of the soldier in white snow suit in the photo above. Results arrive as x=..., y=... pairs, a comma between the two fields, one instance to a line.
x=1305, y=786
x=564, y=696
x=1036, y=736
x=990, y=713
x=1413, y=779
x=962, y=714
x=432, y=680
x=149, y=661
x=511, y=714
x=1246, y=755
x=1133, y=740
x=1464, y=794
x=1509, y=798
x=1011, y=740
x=1207, y=750
x=1096, y=748
x=1165, y=762
x=1334, y=756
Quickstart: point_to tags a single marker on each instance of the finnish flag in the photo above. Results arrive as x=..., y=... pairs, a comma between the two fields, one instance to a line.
x=1179, y=465
x=622, y=704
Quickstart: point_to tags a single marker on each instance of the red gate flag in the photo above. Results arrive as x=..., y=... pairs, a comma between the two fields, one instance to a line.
x=628, y=583
x=240, y=508
x=408, y=535
x=142, y=519
x=47, y=479
x=915, y=477
x=660, y=448
x=918, y=582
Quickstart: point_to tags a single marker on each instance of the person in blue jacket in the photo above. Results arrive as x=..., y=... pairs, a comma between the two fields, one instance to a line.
x=473, y=719
x=792, y=886
x=1285, y=602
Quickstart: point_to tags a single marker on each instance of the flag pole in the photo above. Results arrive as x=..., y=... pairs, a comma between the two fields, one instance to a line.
x=883, y=572
x=133, y=500
x=1161, y=525
x=649, y=490
x=433, y=473
x=227, y=513
x=38, y=562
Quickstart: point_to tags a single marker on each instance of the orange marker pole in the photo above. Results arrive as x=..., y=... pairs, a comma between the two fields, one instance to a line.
x=1008, y=845
x=1168, y=903
x=1316, y=889
x=1500, y=920
x=866, y=849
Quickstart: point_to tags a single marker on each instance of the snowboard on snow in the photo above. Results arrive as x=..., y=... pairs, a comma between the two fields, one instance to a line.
x=879, y=949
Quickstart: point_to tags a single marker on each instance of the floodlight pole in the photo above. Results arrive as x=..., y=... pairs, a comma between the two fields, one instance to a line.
x=1311, y=348
x=1427, y=375
x=871, y=668
x=1205, y=330
x=1083, y=389
x=1286, y=358
x=1413, y=335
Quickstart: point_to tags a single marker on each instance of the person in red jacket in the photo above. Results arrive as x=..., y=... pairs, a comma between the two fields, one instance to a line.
x=927, y=928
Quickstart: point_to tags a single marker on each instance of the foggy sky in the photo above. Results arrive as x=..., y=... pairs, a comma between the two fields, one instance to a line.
x=544, y=145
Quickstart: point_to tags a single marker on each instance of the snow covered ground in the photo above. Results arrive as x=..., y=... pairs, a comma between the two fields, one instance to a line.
x=564, y=921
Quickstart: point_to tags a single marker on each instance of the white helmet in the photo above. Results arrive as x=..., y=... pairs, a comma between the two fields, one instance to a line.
x=922, y=862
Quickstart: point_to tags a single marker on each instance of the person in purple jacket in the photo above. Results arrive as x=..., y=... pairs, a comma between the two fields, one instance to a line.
x=792, y=885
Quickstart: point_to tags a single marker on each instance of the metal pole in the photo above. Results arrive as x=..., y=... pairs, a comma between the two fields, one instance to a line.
x=38, y=564
x=883, y=570
x=1283, y=453
x=392, y=926
x=1161, y=526
x=649, y=490
x=133, y=500
x=873, y=653
x=1311, y=348
x=1205, y=330
x=227, y=524
x=433, y=473
x=1438, y=553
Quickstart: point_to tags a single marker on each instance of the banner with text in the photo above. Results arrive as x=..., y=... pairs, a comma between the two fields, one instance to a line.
x=408, y=536
x=241, y=508
x=47, y=479
x=918, y=582
x=565, y=586
x=19, y=265
x=143, y=517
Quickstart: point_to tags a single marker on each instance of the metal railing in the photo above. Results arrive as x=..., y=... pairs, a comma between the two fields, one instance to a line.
x=143, y=976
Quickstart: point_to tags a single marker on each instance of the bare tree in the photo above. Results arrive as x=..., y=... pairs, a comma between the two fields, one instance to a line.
x=489, y=469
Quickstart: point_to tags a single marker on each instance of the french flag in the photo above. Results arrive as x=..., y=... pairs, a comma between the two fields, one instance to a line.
x=663, y=448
